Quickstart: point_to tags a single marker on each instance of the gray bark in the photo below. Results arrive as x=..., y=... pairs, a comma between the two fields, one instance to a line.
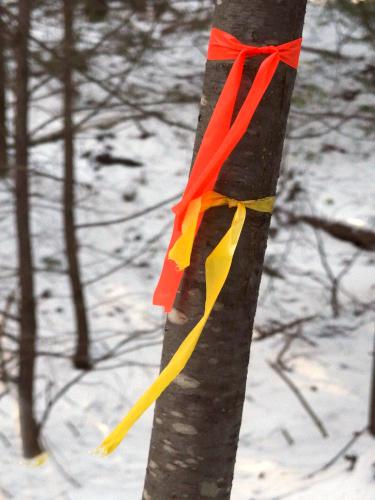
x=197, y=419
x=28, y=324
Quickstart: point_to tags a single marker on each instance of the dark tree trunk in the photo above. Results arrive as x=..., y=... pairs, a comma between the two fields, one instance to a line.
x=3, y=125
x=372, y=396
x=28, y=326
x=96, y=10
x=81, y=358
x=197, y=420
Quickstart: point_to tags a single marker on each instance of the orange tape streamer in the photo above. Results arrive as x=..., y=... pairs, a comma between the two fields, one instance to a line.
x=221, y=135
x=218, y=142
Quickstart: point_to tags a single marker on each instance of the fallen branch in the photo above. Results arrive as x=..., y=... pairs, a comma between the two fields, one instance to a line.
x=361, y=238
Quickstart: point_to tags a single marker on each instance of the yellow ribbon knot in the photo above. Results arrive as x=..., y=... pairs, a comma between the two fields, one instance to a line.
x=234, y=203
x=180, y=253
x=217, y=268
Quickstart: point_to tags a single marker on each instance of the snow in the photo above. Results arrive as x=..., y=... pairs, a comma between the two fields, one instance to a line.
x=281, y=448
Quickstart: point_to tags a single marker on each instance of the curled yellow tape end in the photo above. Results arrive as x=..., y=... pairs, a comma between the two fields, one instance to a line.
x=100, y=451
x=37, y=461
x=179, y=255
x=108, y=445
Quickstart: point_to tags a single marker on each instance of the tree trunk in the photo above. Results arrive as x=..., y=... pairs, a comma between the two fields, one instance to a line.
x=81, y=358
x=3, y=125
x=28, y=326
x=372, y=396
x=96, y=10
x=197, y=419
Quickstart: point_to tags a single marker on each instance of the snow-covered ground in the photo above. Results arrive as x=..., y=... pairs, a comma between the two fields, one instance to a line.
x=285, y=448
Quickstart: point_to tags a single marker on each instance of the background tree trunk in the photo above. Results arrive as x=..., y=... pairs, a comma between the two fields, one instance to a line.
x=81, y=358
x=197, y=420
x=28, y=326
x=3, y=125
x=372, y=396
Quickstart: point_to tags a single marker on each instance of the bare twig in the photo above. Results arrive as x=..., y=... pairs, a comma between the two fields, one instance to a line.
x=3, y=319
x=65, y=474
x=349, y=444
x=287, y=436
x=121, y=220
x=277, y=327
x=128, y=261
x=108, y=355
x=319, y=424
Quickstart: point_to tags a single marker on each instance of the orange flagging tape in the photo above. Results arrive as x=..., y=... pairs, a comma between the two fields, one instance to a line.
x=222, y=133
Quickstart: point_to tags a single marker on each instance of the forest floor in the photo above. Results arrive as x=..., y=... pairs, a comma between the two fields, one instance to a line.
x=303, y=435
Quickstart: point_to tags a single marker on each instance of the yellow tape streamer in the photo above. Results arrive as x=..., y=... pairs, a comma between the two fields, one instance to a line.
x=217, y=268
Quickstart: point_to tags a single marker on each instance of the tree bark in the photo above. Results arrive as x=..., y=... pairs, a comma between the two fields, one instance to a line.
x=28, y=325
x=3, y=125
x=81, y=358
x=197, y=419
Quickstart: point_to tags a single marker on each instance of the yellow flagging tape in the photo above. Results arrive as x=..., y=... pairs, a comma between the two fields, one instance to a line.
x=217, y=268
x=37, y=461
